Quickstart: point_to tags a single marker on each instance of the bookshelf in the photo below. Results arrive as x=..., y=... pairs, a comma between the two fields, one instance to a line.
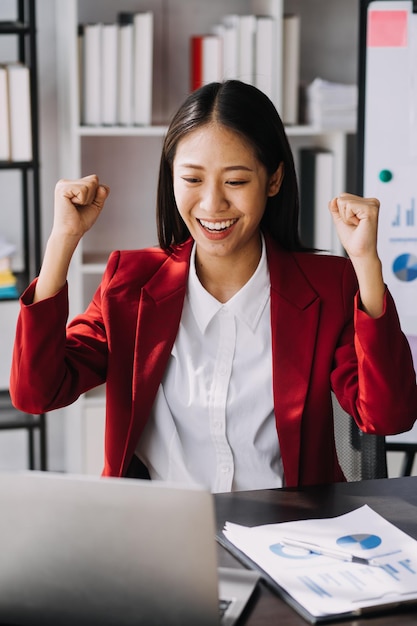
x=22, y=178
x=127, y=159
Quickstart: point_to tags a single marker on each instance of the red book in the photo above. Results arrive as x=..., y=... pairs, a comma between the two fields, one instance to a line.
x=196, y=77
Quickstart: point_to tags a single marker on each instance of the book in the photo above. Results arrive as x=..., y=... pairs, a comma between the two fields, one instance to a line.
x=125, y=74
x=142, y=68
x=230, y=33
x=18, y=80
x=206, y=60
x=274, y=8
x=246, y=49
x=196, y=62
x=4, y=116
x=264, y=54
x=362, y=564
x=291, y=69
x=108, y=71
x=316, y=191
x=92, y=79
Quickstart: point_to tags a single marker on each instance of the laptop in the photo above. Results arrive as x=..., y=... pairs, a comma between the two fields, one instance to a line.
x=112, y=552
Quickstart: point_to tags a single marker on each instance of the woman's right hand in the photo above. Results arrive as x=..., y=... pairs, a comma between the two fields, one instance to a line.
x=78, y=204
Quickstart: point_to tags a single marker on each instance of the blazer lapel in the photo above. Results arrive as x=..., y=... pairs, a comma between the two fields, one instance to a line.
x=159, y=315
x=294, y=317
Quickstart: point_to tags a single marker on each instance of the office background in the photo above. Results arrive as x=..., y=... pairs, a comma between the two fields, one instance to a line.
x=329, y=49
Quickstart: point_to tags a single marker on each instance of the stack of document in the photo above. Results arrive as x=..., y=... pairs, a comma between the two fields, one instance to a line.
x=8, y=280
x=331, y=105
x=337, y=567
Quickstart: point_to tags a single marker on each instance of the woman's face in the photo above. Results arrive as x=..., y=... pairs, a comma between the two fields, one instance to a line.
x=221, y=189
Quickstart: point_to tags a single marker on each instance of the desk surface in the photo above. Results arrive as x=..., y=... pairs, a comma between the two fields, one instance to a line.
x=395, y=499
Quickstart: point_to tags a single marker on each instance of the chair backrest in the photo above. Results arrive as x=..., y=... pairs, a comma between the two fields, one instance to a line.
x=361, y=456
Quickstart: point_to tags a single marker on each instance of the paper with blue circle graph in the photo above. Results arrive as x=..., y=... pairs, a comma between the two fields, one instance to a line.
x=323, y=586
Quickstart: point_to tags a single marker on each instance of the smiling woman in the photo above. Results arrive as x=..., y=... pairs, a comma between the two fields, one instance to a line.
x=220, y=349
x=221, y=190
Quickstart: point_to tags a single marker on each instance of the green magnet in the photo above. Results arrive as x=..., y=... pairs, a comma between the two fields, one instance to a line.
x=385, y=176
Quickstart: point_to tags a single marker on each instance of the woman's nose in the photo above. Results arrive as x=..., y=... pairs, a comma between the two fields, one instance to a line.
x=213, y=199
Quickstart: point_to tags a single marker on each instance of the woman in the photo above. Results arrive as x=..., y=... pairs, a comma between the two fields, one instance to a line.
x=221, y=347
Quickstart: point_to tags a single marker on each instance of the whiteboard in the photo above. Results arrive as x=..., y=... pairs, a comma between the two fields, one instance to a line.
x=388, y=113
x=390, y=145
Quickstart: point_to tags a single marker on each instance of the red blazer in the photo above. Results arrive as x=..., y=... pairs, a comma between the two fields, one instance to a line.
x=127, y=332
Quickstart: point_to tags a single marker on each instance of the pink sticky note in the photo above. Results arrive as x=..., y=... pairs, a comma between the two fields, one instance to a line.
x=387, y=29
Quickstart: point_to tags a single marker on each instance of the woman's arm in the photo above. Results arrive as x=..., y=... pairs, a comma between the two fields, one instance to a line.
x=78, y=204
x=356, y=221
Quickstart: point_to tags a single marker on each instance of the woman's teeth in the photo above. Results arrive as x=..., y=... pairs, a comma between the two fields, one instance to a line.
x=218, y=225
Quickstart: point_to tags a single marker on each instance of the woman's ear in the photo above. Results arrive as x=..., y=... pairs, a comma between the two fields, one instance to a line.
x=275, y=180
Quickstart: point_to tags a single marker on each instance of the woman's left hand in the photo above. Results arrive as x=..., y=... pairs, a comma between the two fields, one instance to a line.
x=356, y=222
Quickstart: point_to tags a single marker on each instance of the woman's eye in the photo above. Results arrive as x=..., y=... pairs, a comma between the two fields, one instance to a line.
x=191, y=179
x=236, y=183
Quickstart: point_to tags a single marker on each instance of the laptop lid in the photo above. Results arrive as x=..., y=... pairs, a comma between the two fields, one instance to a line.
x=105, y=551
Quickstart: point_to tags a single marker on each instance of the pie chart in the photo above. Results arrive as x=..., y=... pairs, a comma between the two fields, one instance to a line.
x=405, y=267
x=361, y=541
x=289, y=552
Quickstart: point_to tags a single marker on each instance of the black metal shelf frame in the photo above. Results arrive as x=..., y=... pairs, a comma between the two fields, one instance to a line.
x=24, y=28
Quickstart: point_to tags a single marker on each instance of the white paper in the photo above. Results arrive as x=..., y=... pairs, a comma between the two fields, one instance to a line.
x=325, y=585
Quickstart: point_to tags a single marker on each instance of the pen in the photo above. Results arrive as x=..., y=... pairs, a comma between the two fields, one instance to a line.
x=333, y=553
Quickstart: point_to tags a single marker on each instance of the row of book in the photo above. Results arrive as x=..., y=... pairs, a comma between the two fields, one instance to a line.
x=8, y=282
x=116, y=68
x=258, y=49
x=15, y=113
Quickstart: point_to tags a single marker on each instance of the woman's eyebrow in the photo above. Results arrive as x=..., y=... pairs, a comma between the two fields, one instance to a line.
x=225, y=169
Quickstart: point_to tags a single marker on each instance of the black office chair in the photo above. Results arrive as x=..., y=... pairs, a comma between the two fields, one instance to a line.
x=361, y=456
x=12, y=419
x=408, y=450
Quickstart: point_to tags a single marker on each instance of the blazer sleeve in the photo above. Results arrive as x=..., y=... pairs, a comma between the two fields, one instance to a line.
x=53, y=364
x=374, y=378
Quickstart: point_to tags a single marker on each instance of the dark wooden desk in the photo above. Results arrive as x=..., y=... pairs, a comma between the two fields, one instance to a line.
x=395, y=499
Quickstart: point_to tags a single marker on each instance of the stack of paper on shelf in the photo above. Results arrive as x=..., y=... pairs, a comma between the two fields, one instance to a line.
x=8, y=281
x=331, y=105
x=117, y=69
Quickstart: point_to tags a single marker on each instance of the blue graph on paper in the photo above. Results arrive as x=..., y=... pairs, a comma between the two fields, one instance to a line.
x=291, y=553
x=359, y=541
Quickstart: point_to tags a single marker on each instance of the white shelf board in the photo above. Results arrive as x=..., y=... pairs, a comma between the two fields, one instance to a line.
x=159, y=131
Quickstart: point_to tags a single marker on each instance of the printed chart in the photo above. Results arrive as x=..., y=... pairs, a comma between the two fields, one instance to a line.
x=328, y=585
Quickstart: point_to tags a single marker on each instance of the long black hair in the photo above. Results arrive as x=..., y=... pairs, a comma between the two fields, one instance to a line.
x=249, y=112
